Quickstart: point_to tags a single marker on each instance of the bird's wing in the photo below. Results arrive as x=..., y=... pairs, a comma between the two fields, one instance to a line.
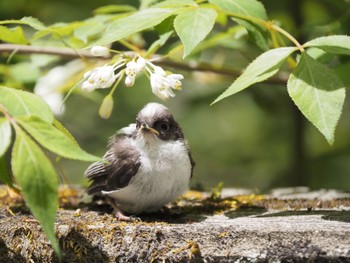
x=122, y=163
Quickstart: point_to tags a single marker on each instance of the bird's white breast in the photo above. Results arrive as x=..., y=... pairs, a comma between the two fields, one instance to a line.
x=163, y=176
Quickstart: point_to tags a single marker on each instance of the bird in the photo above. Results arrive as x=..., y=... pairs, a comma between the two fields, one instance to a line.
x=147, y=165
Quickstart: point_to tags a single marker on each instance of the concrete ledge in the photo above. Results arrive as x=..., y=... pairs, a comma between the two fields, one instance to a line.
x=245, y=228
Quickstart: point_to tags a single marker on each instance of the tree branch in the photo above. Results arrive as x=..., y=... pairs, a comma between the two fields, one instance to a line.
x=85, y=54
x=62, y=52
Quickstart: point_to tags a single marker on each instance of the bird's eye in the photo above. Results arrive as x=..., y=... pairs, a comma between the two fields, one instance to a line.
x=163, y=126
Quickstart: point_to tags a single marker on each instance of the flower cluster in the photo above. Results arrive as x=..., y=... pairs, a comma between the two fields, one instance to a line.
x=105, y=76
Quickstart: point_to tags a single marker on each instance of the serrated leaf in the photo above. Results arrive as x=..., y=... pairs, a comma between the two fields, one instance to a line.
x=166, y=26
x=263, y=67
x=146, y=3
x=158, y=43
x=22, y=103
x=251, y=8
x=38, y=182
x=339, y=44
x=53, y=139
x=64, y=29
x=114, y=9
x=5, y=135
x=12, y=35
x=63, y=129
x=193, y=26
x=318, y=93
x=134, y=23
x=33, y=22
x=27, y=20
x=259, y=34
x=88, y=31
x=175, y=3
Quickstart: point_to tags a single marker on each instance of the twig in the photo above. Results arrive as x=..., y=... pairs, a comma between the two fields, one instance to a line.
x=81, y=53
x=63, y=52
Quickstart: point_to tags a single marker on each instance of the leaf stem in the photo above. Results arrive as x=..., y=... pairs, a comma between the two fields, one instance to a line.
x=129, y=45
x=287, y=35
x=122, y=73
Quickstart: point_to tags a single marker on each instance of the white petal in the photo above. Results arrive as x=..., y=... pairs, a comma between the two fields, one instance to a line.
x=141, y=63
x=129, y=81
x=105, y=77
x=88, y=86
x=131, y=68
x=159, y=71
x=175, y=76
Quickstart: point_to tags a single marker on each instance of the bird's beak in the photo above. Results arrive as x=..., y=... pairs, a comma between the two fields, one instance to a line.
x=147, y=128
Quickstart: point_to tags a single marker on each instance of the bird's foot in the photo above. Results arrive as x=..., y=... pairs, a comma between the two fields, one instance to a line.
x=120, y=216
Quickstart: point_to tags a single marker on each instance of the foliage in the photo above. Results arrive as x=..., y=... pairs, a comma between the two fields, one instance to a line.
x=30, y=115
x=184, y=29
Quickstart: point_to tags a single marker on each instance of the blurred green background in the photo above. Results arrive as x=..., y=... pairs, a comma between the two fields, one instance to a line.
x=256, y=139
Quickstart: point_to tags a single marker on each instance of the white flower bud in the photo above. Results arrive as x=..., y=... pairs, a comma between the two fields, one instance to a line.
x=131, y=68
x=100, y=51
x=129, y=81
x=141, y=63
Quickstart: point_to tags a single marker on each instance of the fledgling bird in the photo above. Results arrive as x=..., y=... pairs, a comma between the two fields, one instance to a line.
x=148, y=164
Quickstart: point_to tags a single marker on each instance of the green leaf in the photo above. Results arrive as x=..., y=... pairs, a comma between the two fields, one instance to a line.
x=134, y=23
x=5, y=135
x=338, y=44
x=251, y=8
x=25, y=72
x=263, y=67
x=53, y=139
x=259, y=34
x=166, y=26
x=146, y=3
x=12, y=35
x=33, y=22
x=38, y=182
x=20, y=103
x=4, y=176
x=63, y=129
x=158, y=43
x=193, y=26
x=27, y=20
x=89, y=31
x=114, y=9
x=247, y=8
x=175, y=3
x=318, y=93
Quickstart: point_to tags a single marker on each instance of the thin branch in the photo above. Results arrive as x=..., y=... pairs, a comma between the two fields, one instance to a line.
x=62, y=52
x=70, y=53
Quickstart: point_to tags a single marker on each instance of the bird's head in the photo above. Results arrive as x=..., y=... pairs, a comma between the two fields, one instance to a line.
x=156, y=121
